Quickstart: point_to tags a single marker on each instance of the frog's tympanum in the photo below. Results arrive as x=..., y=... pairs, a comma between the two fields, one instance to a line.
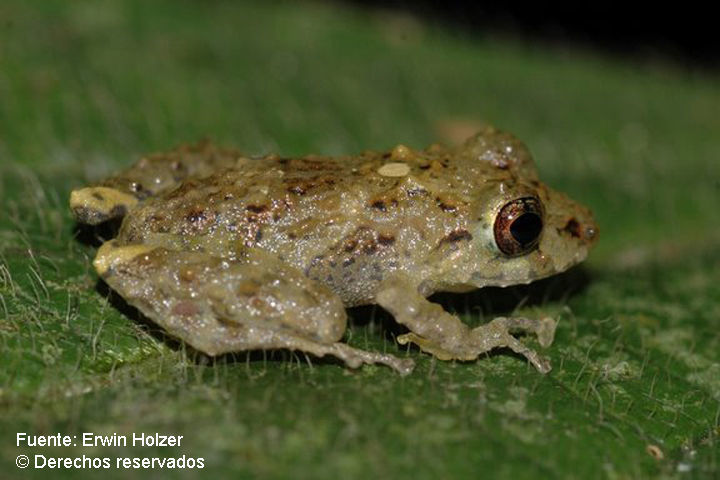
x=232, y=253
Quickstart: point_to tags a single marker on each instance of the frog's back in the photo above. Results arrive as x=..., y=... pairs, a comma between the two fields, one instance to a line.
x=346, y=221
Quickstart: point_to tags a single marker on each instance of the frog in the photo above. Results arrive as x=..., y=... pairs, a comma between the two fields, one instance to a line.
x=230, y=253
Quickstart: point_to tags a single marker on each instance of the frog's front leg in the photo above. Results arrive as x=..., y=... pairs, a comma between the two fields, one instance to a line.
x=446, y=337
x=220, y=305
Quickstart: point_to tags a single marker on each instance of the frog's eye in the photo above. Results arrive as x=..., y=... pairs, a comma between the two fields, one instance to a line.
x=518, y=226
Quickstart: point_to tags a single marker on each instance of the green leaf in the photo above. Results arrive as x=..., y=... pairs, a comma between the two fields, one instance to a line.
x=86, y=86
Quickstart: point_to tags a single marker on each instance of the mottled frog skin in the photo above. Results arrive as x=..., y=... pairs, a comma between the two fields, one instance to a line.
x=232, y=253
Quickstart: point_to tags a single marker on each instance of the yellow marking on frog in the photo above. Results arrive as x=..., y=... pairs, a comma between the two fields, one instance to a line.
x=394, y=169
x=109, y=255
x=101, y=199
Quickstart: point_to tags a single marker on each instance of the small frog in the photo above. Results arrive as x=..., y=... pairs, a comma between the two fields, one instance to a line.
x=232, y=253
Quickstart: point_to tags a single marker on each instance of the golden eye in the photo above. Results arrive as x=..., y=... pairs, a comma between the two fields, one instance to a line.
x=518, y=226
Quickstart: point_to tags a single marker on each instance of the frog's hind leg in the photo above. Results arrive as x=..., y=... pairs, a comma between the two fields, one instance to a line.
x=114, y=196
x=218, y=305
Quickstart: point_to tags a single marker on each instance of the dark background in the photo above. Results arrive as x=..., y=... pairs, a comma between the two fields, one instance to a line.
x=680, y=32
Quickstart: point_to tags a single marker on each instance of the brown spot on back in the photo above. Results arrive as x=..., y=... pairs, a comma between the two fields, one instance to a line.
x=196, y=216
x=446, y=205
x=198, y=219
x=456, y=236
x=350, y=245
x=386, y=240
x=297, y=189
x=257, y=208
x=365, y=240
x=380, y=205
x=384, y=201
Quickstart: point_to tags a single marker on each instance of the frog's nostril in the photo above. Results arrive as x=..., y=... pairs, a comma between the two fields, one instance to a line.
x=591, y=232
x=573, y=228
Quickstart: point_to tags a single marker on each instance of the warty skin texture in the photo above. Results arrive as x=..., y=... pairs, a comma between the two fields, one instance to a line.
x=278, y=246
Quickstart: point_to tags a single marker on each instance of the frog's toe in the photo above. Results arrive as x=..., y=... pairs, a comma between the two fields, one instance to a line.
x=496, y=334
x=354, y=358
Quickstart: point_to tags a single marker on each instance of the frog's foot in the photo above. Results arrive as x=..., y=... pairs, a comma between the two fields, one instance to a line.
x=444, y=335
x=485, y=338
x=218, y=305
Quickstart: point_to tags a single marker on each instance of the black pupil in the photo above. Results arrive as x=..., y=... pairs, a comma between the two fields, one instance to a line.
x=526, y=228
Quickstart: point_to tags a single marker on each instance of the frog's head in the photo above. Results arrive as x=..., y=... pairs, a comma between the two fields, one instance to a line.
x=522, y=230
